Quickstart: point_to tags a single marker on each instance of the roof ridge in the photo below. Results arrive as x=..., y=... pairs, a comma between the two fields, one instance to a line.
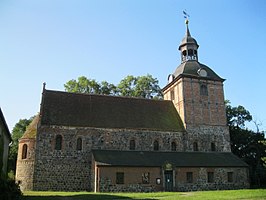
x=103, y=95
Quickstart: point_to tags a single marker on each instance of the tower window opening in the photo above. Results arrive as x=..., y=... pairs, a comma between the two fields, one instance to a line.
x=24, y=151
x=184, y=53
x=172, y=93
x=203, y=90
x=190, y=52
x=58, y=142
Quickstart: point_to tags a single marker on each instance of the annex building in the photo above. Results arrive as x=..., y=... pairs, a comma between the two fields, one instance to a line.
x=103, y=143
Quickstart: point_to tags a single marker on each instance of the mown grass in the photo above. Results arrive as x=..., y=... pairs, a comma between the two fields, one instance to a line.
x=203, y=195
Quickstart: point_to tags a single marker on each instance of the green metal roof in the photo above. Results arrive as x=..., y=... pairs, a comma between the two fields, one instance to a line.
x=158, y=158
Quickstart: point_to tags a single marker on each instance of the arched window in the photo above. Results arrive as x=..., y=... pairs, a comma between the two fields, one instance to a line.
x=156, y=145
x=173, y=146
x=213, y=147
x=195, y=146
x=24, y=151
x=58, y=142
x=79, y=144
x=132, y=145
x=203, y=90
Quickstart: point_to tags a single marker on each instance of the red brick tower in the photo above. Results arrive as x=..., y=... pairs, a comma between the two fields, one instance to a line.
x=197, y=93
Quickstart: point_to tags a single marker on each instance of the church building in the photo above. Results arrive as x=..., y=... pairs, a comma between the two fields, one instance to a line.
x=103, y=143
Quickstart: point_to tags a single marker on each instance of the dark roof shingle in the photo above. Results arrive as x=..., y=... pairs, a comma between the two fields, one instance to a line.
x=100, y=111
x=157, y=159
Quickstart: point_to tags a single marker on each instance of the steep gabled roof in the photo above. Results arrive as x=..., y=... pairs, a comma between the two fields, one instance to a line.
x=100, y=111
x=3, y=121
x=158, y=159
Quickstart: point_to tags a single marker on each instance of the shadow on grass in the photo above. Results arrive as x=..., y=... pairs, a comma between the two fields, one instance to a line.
x=83, y=197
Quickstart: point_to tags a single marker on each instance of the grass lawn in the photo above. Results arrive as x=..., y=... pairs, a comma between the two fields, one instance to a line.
x=213, y=195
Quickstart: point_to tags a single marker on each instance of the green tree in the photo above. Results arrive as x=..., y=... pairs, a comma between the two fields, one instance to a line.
x=237, y=116
x=247, y=144
x=17, y=132
x=147, y=87
x=126, y=86
x=141, y=86
x=107, y=88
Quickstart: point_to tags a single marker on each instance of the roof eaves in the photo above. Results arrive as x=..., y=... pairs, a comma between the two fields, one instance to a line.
x=5, y=124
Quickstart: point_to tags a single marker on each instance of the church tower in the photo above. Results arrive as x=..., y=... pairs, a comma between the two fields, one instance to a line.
x=197, y=93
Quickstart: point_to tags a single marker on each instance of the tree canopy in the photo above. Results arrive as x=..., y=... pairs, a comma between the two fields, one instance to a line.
x=247, y=144
x=140, y=86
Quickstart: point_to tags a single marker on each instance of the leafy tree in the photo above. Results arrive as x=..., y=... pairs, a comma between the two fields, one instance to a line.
x=141, y=86
x=237, y=116
x=17, y=132
x=248, y=145
x=147, y=87
x=126, y=86
x=82, y=85
x=107, y=88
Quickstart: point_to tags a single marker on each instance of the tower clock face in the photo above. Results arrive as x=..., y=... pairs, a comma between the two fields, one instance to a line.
x=202, y=72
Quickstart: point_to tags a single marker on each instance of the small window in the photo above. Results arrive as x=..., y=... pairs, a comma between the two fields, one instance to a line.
x=119, y=177
x=79, y=144
x=24, y=151
x=173, y=146
x=195, y=146
x=156, y=145
x=210, y=177
x=189, y=177
x=172, y=93
x=146, y=178
x=213, y=147
x=132, y=145
x=58, y=142
x=203, y=90
x=230, y=177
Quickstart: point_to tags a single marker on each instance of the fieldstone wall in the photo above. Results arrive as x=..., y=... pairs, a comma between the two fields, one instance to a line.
x=204, y=135
x=107, y=186
x=200, y=179
x=70, y=170
x=106, y=179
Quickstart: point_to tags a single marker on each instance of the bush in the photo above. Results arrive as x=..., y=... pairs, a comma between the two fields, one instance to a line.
x=9, y=190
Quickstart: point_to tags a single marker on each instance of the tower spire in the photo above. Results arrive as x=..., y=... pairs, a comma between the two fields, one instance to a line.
x=187, y=33
x=189, y=45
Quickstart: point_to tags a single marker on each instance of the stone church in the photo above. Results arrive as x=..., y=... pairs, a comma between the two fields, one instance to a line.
x=101, y=143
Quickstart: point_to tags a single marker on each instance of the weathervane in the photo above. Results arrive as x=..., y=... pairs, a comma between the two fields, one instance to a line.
x=186, y=16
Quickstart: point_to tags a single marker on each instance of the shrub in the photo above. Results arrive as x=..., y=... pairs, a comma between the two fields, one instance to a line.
x=9, y=190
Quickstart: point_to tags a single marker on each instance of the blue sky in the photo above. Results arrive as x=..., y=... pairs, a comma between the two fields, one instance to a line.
x=54, y=41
